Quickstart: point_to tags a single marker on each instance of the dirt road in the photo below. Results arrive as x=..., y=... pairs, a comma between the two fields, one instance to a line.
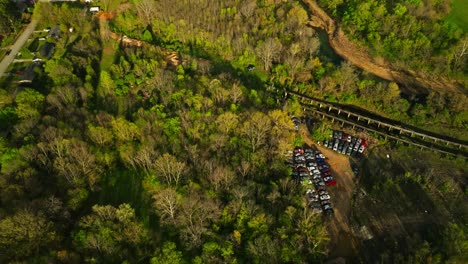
x=343, y=243
x=414, y=82
x=17, y=46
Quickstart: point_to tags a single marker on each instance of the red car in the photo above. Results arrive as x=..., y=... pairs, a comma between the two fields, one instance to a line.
x=331, y=183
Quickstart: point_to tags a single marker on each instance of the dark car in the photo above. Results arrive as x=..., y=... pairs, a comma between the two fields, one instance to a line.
x=349, y=150
x=345, y=147
x=8, y=52
x=328, y=211
x=358, y=144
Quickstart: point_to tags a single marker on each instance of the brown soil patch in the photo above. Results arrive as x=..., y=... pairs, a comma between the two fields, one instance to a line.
x=343, y=243
x=414, y=82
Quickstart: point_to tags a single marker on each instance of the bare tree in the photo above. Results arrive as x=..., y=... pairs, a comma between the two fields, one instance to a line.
x=244, y=168
x=167, y=203
x=196, y=214
x=236, y=93
x=269, y=51
x=247, y=8
x=169, y=168
x=256, y=129
x=146, y=9
x=221, y=177
x=460, y=53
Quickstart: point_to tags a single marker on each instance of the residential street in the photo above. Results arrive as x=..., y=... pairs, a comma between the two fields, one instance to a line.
x=17, y=46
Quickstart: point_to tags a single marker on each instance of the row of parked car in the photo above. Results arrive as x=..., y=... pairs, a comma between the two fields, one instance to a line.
x=345, y=144
x=311, y=169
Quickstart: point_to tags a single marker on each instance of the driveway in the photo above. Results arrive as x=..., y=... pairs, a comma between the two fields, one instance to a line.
x=17, y=46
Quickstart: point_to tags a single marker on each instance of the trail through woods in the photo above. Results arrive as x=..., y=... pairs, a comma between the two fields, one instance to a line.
x=414, y=82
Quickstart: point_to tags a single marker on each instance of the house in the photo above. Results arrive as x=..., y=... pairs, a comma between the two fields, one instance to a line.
x=47, y=50
x=28, y=74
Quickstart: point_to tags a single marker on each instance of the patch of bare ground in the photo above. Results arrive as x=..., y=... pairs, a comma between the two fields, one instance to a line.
x=343, y=243
x=414, y=82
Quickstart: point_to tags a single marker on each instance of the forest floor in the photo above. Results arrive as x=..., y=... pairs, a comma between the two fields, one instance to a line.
x=343, y=243
x=414, y=82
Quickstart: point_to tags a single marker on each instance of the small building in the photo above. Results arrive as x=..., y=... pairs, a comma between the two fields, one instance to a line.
x=55, y=32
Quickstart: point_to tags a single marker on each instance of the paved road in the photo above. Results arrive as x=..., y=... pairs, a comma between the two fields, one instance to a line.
x=17, y=46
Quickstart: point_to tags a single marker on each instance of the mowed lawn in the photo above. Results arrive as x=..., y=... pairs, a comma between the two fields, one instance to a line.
x=459, y=14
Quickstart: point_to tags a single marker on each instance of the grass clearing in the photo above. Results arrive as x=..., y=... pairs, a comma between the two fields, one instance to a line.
x=108, y=54
x=458, y=15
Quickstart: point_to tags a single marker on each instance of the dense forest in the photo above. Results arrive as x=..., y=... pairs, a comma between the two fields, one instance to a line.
x=412, y=33
x=116, y=154
x=9, y=17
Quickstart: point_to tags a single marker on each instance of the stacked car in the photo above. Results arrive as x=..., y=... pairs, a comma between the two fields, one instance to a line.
x=345, y=144
x=311, y=170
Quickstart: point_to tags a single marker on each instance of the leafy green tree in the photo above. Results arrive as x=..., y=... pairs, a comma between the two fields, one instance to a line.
x=29, y=104
x=168, y=254
x=24, y=234
x=111, y=234
x=9, y=17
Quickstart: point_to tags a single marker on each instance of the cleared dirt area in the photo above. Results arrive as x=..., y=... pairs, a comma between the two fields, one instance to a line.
x=414, y=82
x=343, y=243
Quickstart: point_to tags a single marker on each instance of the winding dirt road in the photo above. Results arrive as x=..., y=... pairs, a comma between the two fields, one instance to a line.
x=414, y=82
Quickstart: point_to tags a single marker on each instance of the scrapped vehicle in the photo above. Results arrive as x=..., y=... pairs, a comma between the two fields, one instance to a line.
x=335, y=134
x=350, y=149
x=324, y=166
x=296, y=122
x=319, y=155
x=331, y=183
x=327, y=179
x=361, y=149
x=344, y=136
x=322, y=192
x=328, y=211
x=358, y=143
x=335, y=146
x=345, y=147
x=320, y=184
x=309, y=150
x=298, y=150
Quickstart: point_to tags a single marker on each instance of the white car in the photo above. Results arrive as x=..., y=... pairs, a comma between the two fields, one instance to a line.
x=320, y=183
x=325, y=197
x=361, y=149
x=327, y=179
x=323, y=192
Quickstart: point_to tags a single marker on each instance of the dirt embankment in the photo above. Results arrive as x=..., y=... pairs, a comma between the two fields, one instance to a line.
x=414, y=82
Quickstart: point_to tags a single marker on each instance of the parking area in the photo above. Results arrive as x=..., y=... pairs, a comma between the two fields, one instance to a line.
x=310, y=168
x=346, y=144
